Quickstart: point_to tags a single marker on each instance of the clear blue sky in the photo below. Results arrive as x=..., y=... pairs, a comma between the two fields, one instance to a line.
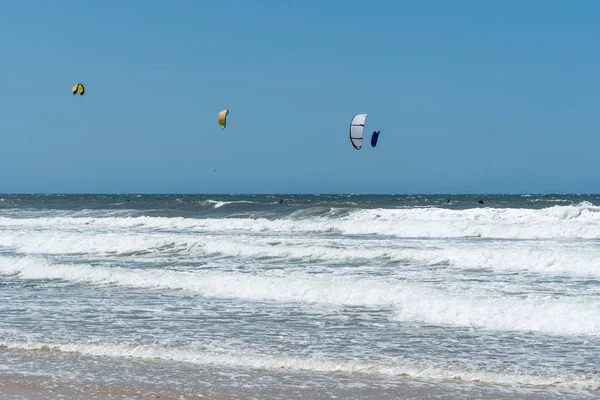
x=470, y=96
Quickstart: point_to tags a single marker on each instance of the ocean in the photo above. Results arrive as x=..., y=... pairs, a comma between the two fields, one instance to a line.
x=317, y=296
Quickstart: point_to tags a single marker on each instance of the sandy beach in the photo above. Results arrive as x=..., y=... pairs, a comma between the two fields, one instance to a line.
x=14, y=388
x=126, y=378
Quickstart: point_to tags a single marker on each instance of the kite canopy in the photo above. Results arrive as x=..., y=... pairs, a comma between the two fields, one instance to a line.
x=357, y=127
x=374, y=138
x=78, y=88
x=223, y=118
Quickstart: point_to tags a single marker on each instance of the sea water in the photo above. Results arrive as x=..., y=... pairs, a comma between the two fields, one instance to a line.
x=325, y=293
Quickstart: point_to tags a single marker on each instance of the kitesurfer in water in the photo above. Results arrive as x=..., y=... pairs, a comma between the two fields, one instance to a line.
x=280, y=201
x=480, y=201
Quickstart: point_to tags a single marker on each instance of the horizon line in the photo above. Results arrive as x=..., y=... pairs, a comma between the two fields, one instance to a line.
x=300, y=194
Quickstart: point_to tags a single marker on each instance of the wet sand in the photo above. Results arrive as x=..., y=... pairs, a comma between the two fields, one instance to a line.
x=18, y=387
x=50, y=375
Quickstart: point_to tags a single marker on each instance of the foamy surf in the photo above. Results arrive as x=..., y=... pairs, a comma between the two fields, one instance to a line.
x=505, y=293
x=548, y=257
x=219, y=204
x=260, y=361
x=557, y=222
x=414, y=302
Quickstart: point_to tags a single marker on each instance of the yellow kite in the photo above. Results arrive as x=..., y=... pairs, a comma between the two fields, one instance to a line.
x=78, y=88
x=223, y=118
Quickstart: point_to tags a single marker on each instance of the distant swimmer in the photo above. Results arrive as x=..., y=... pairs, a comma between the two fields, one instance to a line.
x=448, y=201
x=480, y=201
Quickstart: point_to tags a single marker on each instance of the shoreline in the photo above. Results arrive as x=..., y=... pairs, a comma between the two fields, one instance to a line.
x=125, y=378
x=27, y=388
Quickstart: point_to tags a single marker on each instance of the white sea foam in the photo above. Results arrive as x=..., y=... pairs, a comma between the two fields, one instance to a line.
x=413, y=302
x=542, y=257
x=563, y=222
x=248, y=359
x=219, y=204
x=485, y=272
